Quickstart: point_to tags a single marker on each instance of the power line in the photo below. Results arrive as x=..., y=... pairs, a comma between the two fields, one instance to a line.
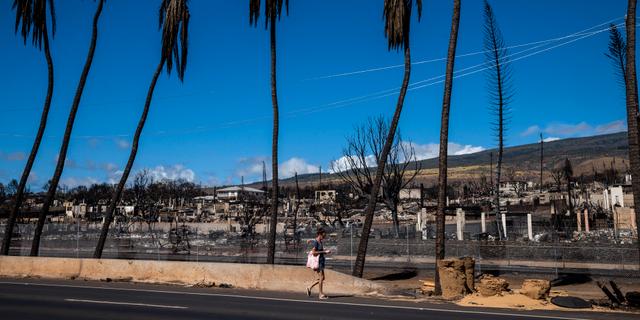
x=575, y=34
x=412, y=86
x=363, y=98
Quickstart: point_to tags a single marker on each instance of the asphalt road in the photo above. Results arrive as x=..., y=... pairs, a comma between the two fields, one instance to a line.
x=44, y=299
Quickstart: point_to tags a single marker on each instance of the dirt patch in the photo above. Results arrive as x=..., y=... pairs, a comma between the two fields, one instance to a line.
x=506, y=300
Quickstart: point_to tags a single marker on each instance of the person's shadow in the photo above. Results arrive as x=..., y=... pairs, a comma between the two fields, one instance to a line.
x=340, y=296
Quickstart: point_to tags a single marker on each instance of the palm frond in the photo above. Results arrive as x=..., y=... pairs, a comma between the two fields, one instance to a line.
x=498, y=71
x=272, y=8
x=174, y=22
x=617, y=53
x=254, y=12
x=31, y=18
x=397, y=21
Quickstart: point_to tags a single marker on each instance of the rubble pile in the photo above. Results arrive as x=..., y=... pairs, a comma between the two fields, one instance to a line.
x=536, y=289
x=456, y=277
x=489, y=285
x=604, y=235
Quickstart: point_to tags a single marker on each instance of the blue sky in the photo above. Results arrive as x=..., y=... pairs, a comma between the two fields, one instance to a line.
x=216, y=126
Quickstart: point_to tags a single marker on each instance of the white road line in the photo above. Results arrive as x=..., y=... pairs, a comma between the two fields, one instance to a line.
x=519, y=315
x=126, y=303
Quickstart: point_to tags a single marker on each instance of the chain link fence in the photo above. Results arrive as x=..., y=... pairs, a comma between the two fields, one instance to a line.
x=196, y=242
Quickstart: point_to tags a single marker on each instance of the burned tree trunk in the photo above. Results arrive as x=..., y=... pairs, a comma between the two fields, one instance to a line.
x=444, y=142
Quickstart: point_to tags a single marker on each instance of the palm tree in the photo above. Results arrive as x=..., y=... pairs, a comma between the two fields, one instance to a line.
x=397, y=16
x=62, y=155
x=174, y=22
x=631, y=90
x=272, y=12
x=444, y=141
x=499, y=76
x=31, y=18
x=541, y=160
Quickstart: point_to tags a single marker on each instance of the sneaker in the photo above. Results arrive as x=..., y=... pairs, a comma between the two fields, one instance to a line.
x=308, y=292
x=323, y=297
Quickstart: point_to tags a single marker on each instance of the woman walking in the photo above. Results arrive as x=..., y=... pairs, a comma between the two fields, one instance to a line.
x=318, y=253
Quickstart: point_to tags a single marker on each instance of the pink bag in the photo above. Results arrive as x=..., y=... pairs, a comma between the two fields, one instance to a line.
x=313, y=262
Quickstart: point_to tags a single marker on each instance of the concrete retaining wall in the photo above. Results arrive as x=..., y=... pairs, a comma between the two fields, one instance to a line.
x=247, y=276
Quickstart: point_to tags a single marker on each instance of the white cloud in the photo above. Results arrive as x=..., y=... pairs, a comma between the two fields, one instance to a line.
x=122, y=144
x=580, y=129
x=13, y=156
x=458, y=149
x=72, y=182
x=33, y=177
x=344, y=163
x=611, y=127
x=112, y=172
x=422, y=151
x=531, y=130
x=174, y=172
x=426, y=151
x=565, y=129
x=431, y=150
x=251, y=168
x=290, y=167
x=549, y=139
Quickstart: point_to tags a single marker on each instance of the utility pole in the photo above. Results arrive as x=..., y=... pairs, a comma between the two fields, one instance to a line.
x=541, y=160
x=320, y=177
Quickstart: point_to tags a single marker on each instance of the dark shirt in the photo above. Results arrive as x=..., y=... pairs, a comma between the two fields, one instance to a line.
x=319, y=247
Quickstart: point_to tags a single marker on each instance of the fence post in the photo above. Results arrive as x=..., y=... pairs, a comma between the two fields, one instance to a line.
x=459, y=224
x=197, y=247
x=529, y=227
x=78, y=240
x=504, y=225
x=408, y=254
x=351, y=247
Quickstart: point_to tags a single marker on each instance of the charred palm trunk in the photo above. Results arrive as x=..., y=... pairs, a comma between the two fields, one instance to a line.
x=117, y=195
x=499, y=92
x=396, y=221
x=6, y=242
x=295, y=213
x=62, y=155
x=358, y=267
x=444, y=141
x=499, y=167
x=273, y=222
x=631, y=90
x=541, y=161
x=500, y=132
